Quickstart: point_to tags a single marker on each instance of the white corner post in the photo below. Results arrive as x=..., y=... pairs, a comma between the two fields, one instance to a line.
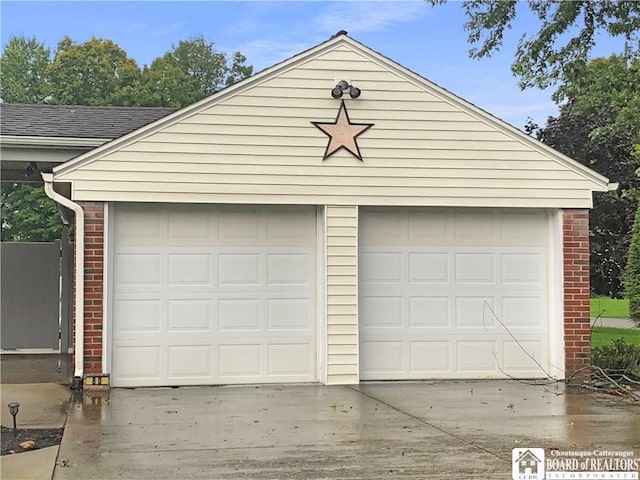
x=79, y=271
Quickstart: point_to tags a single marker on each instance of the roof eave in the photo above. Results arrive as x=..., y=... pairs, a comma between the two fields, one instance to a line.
x=28, y=141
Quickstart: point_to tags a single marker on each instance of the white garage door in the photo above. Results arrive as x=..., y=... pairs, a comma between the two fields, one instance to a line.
x=453, y=293
x=213, y=295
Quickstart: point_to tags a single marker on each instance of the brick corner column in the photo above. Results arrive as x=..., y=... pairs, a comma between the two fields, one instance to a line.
x=576, y=294
x=93, y=285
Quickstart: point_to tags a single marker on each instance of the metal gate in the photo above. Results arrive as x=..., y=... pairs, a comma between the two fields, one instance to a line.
x=36, y=296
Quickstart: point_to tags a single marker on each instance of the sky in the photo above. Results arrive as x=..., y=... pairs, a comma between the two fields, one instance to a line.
x=429, y=40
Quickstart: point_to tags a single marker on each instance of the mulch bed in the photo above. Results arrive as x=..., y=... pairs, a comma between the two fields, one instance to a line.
x=43, y=437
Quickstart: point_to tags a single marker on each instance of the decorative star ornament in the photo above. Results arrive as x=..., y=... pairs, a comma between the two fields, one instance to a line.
x=342, y=133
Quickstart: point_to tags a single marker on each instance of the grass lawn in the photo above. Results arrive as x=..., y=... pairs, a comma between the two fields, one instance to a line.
x=606, y=307
x=606, y=335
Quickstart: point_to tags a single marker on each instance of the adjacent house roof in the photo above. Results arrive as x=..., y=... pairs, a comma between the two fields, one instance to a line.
x=75, y=121
x=35, y=138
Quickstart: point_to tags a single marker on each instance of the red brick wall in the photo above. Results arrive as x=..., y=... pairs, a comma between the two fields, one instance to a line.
x=93, y=277
x=577, y=327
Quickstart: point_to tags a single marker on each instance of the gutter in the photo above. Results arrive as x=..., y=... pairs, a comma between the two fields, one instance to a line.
x=79, y=274
x=612, y=187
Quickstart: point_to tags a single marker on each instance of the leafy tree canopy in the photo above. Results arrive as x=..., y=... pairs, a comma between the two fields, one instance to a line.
x=90, y=73
x=611, y=217
x=28, y=215
x=632, y=273
x=99, y=72
x=567, y=33
x=599, y=127
x=211, y=70
x=23, y=64
x=608, y=83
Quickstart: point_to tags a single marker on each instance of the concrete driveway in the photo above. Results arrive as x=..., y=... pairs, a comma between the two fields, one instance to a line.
x=389, y=430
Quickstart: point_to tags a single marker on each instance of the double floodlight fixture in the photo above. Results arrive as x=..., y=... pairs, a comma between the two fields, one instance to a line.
x=343, y=86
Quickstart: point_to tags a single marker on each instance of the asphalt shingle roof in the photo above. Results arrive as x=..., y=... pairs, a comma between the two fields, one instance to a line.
x=75, y=121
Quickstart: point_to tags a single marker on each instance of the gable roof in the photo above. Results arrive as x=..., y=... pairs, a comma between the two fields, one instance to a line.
x=197, y=134
x=74, y=121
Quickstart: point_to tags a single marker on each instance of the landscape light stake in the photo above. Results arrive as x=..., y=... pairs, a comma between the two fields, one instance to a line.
x=13, y=410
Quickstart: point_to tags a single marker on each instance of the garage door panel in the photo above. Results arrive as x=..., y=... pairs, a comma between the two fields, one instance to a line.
x=141, y=226
x=236, y=285
x=289, y=360
x=429, y=312
x=289, y=314
x=523, y=312
x=429, y=267
x=192, y=362
x=239, y=269
x=236, y=361
x=137, y=362
x=138, y=315
x=476, y=356
x=463, y=283
x=429, y=356
x=523, y=268
x=289, y=269
x=426, y=228
x=187, y=224
x=473, y=229
x=381, y=267
x=239, y=315
x=239, y=226
x=524, y=228
x=382, y=312
x=139, y=269
x=475, y=268
x=475, y=312
x=189, y=269
x=190, y=315
x=385, y=356
x=291, y=228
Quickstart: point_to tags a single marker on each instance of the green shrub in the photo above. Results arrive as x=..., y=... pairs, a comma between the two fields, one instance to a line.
x=617, y=359
x=632, y=272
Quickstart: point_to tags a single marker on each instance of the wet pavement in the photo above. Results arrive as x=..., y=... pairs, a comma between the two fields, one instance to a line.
x=42, y=405
x=387, y=430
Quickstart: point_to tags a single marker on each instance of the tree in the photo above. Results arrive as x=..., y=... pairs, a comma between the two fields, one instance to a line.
x=23, y=64
x=90, y=73
x=163, y=84
x=567, y=33
x=598, y=126
x=189, y=72
x=28, y=215
x=609, y=153
x=608, y=83
x=211, y=70
x=632, y=272
x=99, y=72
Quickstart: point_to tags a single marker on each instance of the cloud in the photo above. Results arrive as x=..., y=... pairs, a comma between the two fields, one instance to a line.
x=313, y=22
x=370, y=16
x=263, y=53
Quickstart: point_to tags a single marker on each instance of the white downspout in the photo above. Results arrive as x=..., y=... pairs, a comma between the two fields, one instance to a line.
x=79, y=269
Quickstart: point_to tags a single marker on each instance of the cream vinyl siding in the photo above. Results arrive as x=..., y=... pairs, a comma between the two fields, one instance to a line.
x=255, y=143
x=342, y=294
